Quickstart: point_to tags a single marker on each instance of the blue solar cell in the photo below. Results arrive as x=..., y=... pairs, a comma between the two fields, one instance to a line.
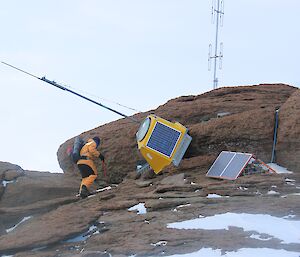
x=236, y=166
x=163, y=139
x=220, y=164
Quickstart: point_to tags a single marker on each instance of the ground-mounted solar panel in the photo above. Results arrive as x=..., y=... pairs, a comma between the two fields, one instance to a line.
x=229, y=165
x=163, y=139
x=236, y=166
x=220, y=164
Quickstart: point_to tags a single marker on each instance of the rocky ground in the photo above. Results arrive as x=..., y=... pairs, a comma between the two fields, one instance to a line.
x=104, y=226
x=52, y=221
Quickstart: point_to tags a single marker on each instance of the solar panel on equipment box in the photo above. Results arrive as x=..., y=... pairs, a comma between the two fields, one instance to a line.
x=229, y=165
x=163, y=139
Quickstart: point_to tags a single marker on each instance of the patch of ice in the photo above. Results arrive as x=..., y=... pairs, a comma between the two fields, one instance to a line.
x=286, y=230
x=140, y=208
x=78, y=239
x=15, y=226
x=243, y=252
x=279, y=169
x=93, y=230
x=39, y=248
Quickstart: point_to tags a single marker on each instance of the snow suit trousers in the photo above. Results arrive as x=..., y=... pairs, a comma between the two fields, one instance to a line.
x=88, y=175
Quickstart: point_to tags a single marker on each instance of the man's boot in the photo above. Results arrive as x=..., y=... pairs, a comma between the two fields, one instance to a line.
x=84, y=192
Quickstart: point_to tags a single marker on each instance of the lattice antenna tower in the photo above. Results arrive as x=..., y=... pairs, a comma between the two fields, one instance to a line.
x=217, y=17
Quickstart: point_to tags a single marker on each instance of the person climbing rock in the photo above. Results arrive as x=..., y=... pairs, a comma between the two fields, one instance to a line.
x=86, y=165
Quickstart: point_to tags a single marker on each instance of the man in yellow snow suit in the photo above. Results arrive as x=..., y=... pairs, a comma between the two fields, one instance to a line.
x=86, y=165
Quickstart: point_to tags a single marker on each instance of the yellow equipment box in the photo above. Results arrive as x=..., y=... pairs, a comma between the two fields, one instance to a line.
x=162, y=142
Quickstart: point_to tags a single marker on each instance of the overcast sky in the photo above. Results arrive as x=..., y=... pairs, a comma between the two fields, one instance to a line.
x=139, y=53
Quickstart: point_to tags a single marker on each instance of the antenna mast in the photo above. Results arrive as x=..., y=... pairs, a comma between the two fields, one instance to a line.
x=217, y=12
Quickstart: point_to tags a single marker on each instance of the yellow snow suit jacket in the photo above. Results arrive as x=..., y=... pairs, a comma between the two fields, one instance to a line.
x=90, y=152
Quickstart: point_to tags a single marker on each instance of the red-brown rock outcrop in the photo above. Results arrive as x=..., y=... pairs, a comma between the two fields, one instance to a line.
x=230, y=118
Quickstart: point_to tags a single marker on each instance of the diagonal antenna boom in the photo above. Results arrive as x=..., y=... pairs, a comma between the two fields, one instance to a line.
x=53, y=83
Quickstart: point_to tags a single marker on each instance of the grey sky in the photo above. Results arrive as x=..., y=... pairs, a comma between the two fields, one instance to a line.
x=140, y=53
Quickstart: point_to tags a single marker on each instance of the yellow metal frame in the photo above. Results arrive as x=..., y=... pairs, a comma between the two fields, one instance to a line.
x=158, y=161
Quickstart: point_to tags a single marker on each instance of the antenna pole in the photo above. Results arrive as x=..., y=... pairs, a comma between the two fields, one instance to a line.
x=218, y=12
x=53, y=83
x=216, y=48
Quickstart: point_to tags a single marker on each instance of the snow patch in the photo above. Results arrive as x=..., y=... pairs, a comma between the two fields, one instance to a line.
x=160, y=243
x=5, y=182
x=290, y=180
x=243, y=252
x=15, y=226
x=259, y=237
x=286, y=230
x=279, y=169
x=140, y=208
x=103, y=189
x=213, y=196
x=272, y=192
x=210, y=196
x=290, y=183
x=293, y=194
x=291, y=216
x=182, y=206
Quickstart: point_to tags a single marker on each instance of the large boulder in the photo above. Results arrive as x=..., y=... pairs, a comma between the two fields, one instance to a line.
x=8, y=174
x=229, y=118
x=9, y=171
x=33, y=192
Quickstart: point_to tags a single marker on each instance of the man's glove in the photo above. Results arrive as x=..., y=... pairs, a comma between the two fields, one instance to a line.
x=101, y=157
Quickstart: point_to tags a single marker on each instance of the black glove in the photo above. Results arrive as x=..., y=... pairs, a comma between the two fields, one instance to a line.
x=101, y=157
